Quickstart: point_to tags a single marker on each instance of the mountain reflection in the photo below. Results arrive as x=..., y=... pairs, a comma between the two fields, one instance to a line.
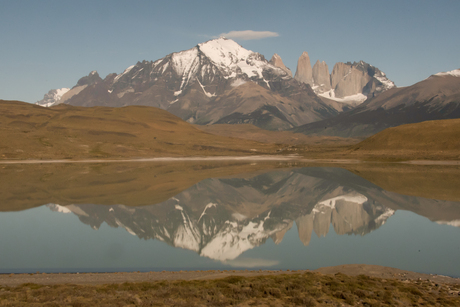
x=222, y=218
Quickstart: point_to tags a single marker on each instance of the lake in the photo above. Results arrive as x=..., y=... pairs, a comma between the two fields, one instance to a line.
x=201, y=216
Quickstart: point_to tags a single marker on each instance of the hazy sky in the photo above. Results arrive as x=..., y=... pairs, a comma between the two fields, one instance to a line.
x=51, y=44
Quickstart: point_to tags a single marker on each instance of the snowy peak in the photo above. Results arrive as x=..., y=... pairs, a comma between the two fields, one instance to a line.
x=53, y=97
x=235, y=61
x=224, y=52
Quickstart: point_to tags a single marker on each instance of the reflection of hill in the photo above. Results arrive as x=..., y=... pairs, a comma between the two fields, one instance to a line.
x=222, y=218
x=131, y=184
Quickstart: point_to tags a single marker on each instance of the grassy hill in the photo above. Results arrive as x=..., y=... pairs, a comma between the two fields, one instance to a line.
x=251, y=132
x=436, y=139
x=32, y=132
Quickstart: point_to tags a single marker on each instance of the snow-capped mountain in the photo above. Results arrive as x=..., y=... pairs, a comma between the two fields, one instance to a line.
x=209, y=83
x=55, y=97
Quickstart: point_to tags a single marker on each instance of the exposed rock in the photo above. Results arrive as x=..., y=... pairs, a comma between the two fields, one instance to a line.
x=352, y=83
x=358, y=78
x=305, y=228
x=321, y=77
x=339, y=71
x=278, y=62
x=90, y=79
x=304, y=72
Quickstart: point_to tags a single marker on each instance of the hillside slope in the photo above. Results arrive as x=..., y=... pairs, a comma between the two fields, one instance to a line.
x=33, y=132
x=439, y=138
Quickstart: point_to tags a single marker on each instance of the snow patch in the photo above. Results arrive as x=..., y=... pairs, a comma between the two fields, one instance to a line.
x=238, y=82
x=382, y=218
x=53, y=97
x=127, y=70
x=352, y=99
x=206, y=93
x=387, y=83
x=58, y=208
x=239, y=217
x=353, y=198
x=210, y=205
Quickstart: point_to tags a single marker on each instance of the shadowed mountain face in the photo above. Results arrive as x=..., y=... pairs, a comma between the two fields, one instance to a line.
x=220, y=218
x=437, y=97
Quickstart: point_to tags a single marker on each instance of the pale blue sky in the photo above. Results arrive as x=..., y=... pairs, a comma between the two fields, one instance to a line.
x=50, y=44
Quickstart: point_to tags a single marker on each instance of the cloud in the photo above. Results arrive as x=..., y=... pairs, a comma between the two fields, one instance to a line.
x=249, y=34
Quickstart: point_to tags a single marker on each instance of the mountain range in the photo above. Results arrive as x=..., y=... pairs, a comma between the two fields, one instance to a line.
x=220, y=82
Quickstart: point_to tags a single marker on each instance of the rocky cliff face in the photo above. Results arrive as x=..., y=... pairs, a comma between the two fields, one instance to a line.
x=347, y=80
x=278, y=62
x=304, y=71
x=321, y=77
x=350, y=83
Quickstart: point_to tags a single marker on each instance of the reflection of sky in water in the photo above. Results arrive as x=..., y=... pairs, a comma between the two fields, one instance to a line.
x=38, y=239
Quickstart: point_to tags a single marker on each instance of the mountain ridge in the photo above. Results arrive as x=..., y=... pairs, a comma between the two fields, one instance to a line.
x=437, y=97
x=187, y=83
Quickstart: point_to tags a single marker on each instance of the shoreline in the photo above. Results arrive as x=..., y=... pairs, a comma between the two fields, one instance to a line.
x=122, y=277
x=261, y=158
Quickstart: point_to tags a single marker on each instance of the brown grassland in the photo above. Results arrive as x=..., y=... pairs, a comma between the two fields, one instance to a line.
x=65, y=132
x=296, y=289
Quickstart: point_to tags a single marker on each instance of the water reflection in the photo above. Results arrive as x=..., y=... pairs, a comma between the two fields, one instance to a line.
x=221, y=218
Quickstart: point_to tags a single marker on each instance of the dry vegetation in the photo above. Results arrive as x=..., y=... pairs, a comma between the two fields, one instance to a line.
x=436, y=139
x=251, y=132
x=307, y=289
x=64, y=132
x=33, y=132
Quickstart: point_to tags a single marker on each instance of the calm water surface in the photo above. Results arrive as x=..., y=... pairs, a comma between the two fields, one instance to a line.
x=287, y=218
